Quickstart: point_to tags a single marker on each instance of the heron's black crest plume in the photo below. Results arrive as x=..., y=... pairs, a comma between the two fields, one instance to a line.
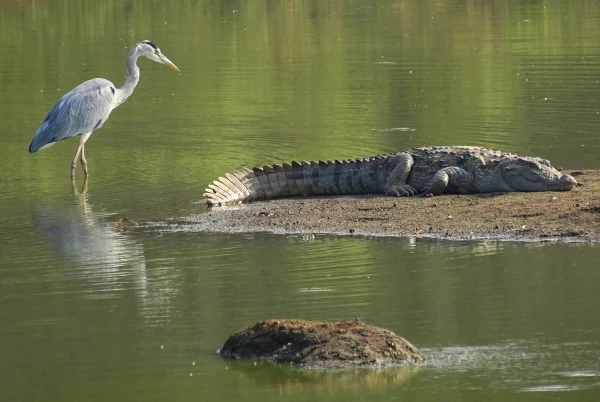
x=147, y=42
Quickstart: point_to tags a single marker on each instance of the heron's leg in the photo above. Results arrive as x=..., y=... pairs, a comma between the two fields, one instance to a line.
x=83, y=161
x=74, y=163
x=84, y=138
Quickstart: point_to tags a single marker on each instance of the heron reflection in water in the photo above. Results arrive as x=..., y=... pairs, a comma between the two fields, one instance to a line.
x=94, y=254
x=86, y=108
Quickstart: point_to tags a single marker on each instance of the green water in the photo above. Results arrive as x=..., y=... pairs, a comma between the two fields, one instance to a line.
x=89, y=313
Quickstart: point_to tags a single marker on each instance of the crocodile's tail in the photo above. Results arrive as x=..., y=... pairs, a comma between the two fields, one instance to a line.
x=357, y=176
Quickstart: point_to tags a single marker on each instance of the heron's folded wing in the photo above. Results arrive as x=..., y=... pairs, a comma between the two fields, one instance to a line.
x=80, y=111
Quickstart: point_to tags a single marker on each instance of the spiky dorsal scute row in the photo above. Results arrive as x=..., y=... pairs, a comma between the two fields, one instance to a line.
x=476, y=156
x=355, y=176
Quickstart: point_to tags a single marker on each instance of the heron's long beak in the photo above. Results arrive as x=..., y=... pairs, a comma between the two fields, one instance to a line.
x=168, y=62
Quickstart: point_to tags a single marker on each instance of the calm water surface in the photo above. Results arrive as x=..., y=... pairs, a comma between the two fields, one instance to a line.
x=89, y=313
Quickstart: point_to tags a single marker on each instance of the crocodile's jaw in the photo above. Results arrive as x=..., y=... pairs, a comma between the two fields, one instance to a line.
x=560, y=183
x=566, y=183
x=532, y=176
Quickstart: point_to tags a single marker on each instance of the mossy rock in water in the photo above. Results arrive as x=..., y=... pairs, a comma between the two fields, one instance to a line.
x=321, y=344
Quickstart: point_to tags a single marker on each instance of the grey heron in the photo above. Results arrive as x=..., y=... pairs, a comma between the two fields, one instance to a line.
x=86, y=107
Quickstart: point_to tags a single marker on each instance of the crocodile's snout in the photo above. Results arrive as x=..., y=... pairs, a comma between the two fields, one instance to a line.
x=567, y=182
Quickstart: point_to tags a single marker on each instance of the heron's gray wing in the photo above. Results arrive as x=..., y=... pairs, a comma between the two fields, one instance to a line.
x=80, y=111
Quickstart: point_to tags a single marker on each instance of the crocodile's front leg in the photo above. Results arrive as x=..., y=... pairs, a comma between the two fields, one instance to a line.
x=457, y=180
x=399, y=166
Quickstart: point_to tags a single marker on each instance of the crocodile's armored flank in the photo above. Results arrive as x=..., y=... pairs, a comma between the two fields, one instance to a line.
x=430, y=170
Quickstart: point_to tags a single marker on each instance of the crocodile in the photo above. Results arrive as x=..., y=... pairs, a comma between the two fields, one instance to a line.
x=419, y=171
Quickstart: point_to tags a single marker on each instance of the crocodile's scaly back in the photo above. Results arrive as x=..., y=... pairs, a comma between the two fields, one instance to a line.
x=359, y=176
x=427, y=170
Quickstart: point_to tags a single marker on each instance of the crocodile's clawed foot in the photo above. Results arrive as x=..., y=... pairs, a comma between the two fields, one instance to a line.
x=401, y=190
x=426, y=193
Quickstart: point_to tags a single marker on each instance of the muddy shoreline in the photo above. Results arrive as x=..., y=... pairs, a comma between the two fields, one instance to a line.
x=547, y=216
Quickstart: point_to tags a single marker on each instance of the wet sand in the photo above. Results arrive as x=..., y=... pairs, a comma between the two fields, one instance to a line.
x=546, y=216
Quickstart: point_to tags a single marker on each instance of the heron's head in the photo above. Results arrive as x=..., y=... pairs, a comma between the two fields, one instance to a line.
x=151, y=51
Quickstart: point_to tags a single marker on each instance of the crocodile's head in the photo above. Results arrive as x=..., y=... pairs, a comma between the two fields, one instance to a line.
x=535, y=174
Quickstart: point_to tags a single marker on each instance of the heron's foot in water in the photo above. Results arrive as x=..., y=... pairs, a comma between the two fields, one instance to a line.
x=84, y=187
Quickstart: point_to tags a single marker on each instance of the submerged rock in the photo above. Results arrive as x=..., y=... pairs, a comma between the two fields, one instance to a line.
x=321, y=344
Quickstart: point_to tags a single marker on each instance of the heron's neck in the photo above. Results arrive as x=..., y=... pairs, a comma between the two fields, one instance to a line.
x=133, y=77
